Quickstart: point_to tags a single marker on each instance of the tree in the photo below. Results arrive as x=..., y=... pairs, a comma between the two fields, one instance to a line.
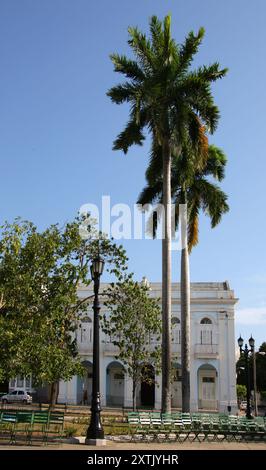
x=260, y=369
x=241, y=391
x=40, y=307
x=172, y=102
x=190, y=186
x=133, y=323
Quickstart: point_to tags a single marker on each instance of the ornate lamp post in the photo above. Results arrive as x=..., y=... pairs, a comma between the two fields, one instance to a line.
x=245, y=352
x=95, y=433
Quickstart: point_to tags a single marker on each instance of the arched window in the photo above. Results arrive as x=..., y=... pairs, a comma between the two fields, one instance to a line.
x=86, y=320
x=176, y=336
x=206, y=321
x=86, y=330
x=206, y=331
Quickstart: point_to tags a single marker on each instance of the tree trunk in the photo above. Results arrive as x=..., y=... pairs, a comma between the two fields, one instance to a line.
x=54, y=393
x=134, y=395
x=185, y=318
x=166, y=282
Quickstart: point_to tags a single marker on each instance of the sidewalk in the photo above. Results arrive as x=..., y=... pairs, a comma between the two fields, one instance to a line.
x=112, y=445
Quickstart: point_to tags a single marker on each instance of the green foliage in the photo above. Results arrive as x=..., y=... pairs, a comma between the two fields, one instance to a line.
x=172, y=101
x=191, y=183
x=260, y=369
x=134, y=325
x=241, y=391
x=176, y=106
x=39, y=305
x=70, y=431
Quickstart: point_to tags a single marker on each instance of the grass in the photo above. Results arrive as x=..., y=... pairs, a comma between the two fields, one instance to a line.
x=113, y=426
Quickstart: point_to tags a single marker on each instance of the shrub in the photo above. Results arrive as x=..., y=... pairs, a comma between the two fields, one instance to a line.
x=70, y=431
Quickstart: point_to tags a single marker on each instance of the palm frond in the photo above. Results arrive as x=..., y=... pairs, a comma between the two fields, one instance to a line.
x=213, y=200
x=154, y=219
x=156, y=35
x=167, y=36
x=200, y=99
x=122, y=93
x=141, y=47
x=216, y=163
x=131, y=135
x=155, y=167
x=150, y=194
x=190, y=48
x=129, y=68
x=198, y=138
x=193, y=224
x=211, y=73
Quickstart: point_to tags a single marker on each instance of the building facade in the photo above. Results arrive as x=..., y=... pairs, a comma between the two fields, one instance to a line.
x=213, y=377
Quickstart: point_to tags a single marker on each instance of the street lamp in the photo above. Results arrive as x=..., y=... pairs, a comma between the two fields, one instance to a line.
x=95, y=433
x=245, y=352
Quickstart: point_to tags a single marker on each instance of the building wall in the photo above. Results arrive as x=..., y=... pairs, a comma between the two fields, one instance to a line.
x=213, y=381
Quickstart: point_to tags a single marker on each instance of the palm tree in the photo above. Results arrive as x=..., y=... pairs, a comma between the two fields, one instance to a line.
x=171, y=101
x=192, y=187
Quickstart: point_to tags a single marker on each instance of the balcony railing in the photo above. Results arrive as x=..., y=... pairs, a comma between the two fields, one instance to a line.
x=108, y=347
x=208, y=404
x=86, y=346
x=206, y=349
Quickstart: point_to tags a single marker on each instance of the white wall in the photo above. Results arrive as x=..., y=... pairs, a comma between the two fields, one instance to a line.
x=210, y=300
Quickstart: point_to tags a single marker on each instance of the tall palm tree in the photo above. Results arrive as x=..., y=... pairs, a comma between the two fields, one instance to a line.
x=171, y=101
x=190, y=186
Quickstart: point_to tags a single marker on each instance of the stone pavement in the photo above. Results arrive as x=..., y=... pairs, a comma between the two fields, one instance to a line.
x=112, y=445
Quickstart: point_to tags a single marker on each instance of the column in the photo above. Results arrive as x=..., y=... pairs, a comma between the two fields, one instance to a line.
x=158, y=392
x=103, y=378
x=194, y=387
x=128, y=392
x=62, y=395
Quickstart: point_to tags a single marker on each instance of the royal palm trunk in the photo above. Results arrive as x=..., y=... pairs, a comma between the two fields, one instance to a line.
x=166, y=282
x=185, y=320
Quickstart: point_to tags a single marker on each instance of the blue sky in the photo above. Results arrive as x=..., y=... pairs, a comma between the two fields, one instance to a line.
x=57, y=127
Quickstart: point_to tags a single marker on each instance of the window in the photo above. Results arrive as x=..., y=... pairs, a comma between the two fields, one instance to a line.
x=119, y=376
x=177, y=375
x=208, y=379
x=206, y=337
x=153, y=338
x=86, y=320
x=20, y=392
x=206, y=321
x=206, y=332
x=14, y=393
x=28, y=382
x=86, y=330
x=12, y=383
x=20, y=381
x=176, y=337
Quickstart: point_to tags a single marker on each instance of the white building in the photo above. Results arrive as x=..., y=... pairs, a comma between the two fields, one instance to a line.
x=213, y=377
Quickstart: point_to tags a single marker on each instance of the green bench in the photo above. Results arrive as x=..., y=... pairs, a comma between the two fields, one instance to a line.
x=195, y=426
x=39, y=425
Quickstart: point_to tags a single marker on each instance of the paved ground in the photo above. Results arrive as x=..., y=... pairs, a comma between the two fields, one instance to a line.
x=111, y=445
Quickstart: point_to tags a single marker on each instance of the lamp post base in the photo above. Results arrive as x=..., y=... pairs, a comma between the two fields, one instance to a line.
x=95, y=442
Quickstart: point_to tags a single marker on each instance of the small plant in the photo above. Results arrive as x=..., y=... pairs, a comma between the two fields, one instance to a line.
x=81, y=420
x=70, y=431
